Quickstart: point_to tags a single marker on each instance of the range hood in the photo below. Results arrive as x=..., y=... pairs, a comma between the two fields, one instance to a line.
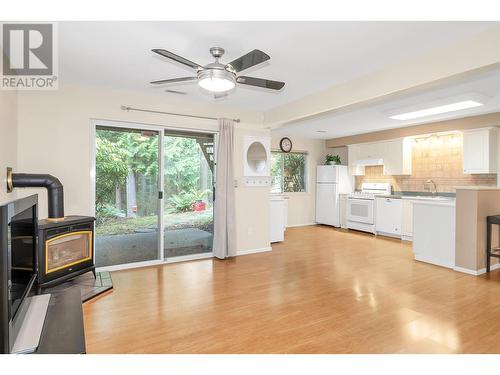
x=368, y=162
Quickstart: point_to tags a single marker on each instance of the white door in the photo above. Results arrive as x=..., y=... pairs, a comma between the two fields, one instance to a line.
x=326, y=174
x=327, y=204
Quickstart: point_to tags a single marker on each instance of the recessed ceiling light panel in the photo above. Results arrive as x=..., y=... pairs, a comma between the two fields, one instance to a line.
x=457, y=106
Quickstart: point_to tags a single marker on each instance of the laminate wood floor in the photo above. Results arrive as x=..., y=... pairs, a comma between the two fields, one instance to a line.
x=321, y=291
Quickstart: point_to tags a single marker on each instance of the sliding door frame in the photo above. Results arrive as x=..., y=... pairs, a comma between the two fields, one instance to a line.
x=94, y=124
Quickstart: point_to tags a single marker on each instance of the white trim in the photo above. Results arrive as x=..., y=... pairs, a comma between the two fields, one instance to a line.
x=126, y=266
x=92, y=170
x=476, y=272
x=148, y=263
x=433, y=261
x=466, y=270
x=186, y=258
x=147, y=126
x=254, y=251
x=301, y=225
x=390, y=235
x=161, y=187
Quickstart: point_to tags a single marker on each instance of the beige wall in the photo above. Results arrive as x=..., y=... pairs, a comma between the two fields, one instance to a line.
x=8, y=139
x=340, y=151
x=301, y=206
x=472, y=208
x=438, y=159
x=54, y=137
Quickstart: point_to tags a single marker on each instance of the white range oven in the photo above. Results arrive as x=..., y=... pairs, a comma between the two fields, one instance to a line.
x=361, y=206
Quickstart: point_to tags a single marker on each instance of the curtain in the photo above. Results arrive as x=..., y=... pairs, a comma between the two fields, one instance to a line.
x=225, y=214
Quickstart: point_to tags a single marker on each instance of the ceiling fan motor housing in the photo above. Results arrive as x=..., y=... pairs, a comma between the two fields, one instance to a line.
x=214, y=72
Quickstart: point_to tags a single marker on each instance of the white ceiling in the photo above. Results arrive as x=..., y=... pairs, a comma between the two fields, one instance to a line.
x=375, y=117
x=308, y=56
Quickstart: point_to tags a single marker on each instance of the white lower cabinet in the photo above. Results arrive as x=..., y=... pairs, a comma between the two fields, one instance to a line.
x=388, y=213
x=407, y=224
x=434, y=233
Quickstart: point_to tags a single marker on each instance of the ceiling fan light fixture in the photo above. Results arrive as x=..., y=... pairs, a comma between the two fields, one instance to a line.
x=216, y=80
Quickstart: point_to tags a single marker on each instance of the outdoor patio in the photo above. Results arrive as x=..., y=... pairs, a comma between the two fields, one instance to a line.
x=139, y=247
x=128, y=240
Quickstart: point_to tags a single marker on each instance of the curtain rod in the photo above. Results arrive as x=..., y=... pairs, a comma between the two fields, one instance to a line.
x=125, y=108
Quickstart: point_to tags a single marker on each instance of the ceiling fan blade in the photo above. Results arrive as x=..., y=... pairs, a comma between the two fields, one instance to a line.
x=176, y=92
x=173, y=80
x=177, y=58
x=250, y=59
x=259, y=82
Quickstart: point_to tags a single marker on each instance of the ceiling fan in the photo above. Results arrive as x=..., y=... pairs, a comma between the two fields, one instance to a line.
x=221, y=78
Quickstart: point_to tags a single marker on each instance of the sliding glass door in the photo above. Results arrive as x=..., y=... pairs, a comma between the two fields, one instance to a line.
x=188, y=189
x=136, y=220
x=127, y=204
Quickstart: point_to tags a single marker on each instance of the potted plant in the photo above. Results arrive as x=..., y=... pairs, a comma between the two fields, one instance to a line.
x=332, y=159
x=198, y=196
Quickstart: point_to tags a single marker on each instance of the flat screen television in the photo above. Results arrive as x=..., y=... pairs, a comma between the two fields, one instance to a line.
x=18, y=236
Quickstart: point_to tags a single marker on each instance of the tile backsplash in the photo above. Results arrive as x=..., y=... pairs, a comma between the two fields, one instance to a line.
x=438, y=158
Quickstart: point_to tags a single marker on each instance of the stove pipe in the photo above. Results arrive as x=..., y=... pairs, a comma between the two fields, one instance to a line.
x=54, y=188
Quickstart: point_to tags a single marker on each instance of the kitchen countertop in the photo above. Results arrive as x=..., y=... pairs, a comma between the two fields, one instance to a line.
x=478, y=188
x=440, y=200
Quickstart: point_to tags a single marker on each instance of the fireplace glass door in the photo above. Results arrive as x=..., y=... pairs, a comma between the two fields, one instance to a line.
x=68, y=249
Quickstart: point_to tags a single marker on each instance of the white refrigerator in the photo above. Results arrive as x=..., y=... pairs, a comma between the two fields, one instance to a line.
x=331, y=180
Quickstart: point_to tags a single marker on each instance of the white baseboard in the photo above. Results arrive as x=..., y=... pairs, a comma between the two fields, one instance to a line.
x=185, y=258
x=389, y=235
x=432, y=261
x=300, y=225
x=127, y=266
x=253, y=251
x=476, y=272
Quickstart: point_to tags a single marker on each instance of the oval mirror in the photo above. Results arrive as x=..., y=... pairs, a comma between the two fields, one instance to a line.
x=257, y=157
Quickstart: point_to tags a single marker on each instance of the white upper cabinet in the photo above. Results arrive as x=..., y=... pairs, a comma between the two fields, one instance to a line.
x=353, y=152
x=396, y=156
x=480, y=151
x=369, y=151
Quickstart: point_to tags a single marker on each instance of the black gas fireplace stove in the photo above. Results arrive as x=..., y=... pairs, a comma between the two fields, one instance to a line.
x=65, y=243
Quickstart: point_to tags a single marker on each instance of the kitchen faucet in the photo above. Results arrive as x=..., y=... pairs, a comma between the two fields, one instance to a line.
x=434, y=190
